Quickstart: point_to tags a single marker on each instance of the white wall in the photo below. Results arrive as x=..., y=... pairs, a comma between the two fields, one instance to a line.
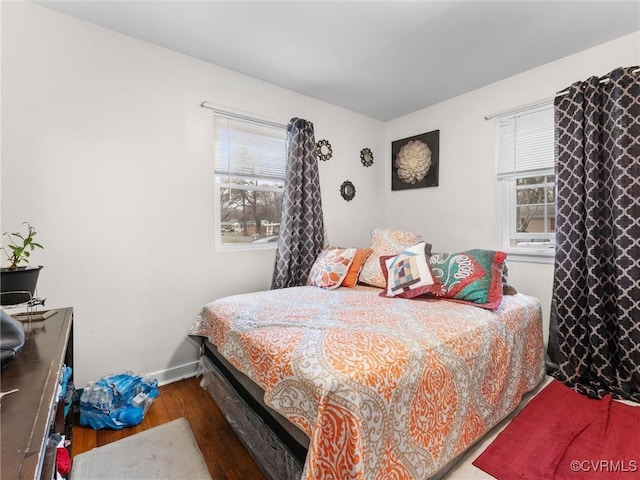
x=459, y=213
x=106, y=151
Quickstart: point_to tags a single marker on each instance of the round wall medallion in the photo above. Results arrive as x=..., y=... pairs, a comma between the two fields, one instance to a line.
x=324, y=150
x=347, y=190
x=366, y=157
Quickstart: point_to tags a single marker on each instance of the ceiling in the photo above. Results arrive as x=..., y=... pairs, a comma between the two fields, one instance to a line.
x=383, y=59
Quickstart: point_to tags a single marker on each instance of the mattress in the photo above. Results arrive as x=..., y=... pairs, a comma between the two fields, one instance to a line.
x=379, y=386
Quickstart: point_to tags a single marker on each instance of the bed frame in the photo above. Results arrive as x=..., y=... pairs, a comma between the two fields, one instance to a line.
x=275, y=450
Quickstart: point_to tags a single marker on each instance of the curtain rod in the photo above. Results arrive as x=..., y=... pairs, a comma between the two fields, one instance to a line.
x=241, y=116
x=603, y=80
x=539, y=103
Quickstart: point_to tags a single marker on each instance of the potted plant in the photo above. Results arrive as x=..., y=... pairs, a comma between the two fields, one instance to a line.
x=18, y=283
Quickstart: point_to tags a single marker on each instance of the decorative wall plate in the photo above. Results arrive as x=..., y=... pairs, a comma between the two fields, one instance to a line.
x=366, y=157
x=324, y=150
x=347, y=190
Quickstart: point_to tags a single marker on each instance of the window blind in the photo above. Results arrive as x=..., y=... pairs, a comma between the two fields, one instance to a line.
x=248, y=149
x=525, y=141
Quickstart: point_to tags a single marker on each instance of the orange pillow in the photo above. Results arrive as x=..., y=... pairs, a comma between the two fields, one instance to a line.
x=354, y=270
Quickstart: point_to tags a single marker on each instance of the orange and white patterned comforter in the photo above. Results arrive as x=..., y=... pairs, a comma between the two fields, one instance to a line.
x=384, y=388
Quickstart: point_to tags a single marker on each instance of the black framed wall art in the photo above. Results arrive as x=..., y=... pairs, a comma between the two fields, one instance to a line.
x=415, y=161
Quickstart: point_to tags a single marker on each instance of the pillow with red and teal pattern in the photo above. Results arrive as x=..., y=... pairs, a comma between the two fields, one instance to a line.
x=331, y=267
x=472, y=276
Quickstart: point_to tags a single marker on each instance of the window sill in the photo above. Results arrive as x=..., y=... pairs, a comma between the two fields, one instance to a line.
x=530, y=255
x=245, y=247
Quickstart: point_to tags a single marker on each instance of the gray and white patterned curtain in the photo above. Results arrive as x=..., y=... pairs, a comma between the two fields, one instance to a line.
x=302, y=225
x=597, y=267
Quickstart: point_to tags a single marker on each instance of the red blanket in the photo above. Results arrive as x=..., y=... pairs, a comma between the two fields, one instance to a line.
x=562, y=434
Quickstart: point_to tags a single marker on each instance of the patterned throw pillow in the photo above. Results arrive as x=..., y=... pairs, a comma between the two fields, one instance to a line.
x=384, y=242
x=356, y=266
x=408, y=274
x=331, y=267
x=473, y=276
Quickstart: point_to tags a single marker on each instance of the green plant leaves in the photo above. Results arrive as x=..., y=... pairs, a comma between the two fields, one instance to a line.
x=20, y=253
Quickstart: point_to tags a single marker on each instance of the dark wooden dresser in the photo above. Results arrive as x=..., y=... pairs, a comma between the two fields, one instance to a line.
x=31, y=414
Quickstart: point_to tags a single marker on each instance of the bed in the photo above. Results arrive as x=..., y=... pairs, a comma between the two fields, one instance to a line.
x=346, y=384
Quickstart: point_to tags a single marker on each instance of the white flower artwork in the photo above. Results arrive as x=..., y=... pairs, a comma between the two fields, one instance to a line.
x=414, y=162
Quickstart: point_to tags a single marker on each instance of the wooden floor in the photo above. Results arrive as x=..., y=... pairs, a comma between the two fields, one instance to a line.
x=225, y=455
x=223, y=452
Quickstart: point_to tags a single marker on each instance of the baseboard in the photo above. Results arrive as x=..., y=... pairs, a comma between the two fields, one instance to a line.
x=175, y=374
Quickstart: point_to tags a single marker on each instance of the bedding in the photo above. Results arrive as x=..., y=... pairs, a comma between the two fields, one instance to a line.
x=382, y=387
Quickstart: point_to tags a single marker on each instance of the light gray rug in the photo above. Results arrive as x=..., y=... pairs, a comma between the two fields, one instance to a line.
x=168, y=451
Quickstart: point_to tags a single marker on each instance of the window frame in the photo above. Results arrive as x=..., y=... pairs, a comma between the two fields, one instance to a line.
x=225, y=179
x=506, y=204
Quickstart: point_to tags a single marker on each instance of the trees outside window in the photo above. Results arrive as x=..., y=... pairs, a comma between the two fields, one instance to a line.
x=250, y=161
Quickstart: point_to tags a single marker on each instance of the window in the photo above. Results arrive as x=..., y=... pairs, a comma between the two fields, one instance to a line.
x=526, y=182
x=249, y=161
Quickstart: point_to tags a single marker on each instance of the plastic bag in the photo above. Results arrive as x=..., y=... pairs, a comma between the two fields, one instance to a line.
x=117, y=401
